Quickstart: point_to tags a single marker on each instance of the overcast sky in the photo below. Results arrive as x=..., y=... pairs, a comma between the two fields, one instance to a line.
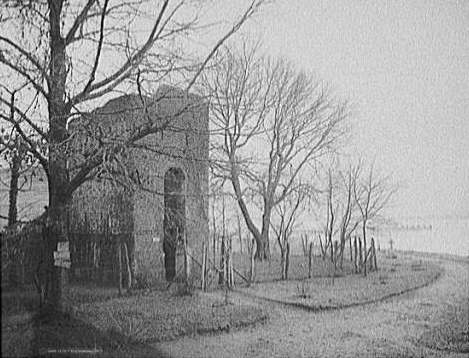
x=405, y=67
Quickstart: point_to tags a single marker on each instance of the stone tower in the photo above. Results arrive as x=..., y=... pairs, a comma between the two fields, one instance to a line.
x=152, y=193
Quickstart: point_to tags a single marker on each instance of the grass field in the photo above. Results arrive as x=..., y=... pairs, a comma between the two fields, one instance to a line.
x=395, y=276
x=129, y=324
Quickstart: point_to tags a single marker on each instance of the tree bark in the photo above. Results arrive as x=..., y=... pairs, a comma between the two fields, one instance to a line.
x=263, y=250
x=59, y=195
x=13, y=190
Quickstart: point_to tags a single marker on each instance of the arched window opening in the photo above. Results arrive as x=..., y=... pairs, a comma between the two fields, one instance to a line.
x=174, y=223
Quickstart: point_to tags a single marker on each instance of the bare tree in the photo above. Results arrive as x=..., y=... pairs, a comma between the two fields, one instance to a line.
x=371, y=193
x=287, y=213
x=15, y=151
x=271, y=125
x=72, y=54
x=331, y=216
x=348, y=211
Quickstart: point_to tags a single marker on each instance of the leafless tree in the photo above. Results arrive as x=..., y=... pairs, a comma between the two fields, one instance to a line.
x=348, y=211
x=21, y=162
x=332, y=206
x=285, y=218
x=271, y=125
x=371, y=194
x=74, y=54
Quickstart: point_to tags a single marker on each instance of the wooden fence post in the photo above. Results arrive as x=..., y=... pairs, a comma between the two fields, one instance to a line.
x=355, y=254
x=251, y=271
x=187, y=263
x=221, y=278
x=119, y=265
x=350, y=245
x=204, y=263
x=336, y=253
x=360, y=253
x=231, y=269
x=310, y=259
x=127, y=266
x=375, y=264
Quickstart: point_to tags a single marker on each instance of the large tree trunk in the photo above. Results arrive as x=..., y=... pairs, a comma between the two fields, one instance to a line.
x=13, y=212
x=261, y=238
x=262, y=250
x=59, y=194
x=263, y=247
x=56, y=232
x=13, y=190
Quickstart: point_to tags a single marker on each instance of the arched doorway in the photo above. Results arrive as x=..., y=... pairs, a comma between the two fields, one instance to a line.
x=174, y=222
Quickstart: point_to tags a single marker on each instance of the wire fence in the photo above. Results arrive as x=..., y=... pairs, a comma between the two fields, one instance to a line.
x=94, y=255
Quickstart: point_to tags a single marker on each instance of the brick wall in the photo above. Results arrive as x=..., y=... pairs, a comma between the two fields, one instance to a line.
x=183, y=144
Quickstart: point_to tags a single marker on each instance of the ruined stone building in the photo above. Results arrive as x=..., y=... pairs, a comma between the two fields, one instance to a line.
x=151, y=193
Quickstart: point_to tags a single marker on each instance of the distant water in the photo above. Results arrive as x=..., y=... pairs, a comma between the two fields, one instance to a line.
x=450, y=236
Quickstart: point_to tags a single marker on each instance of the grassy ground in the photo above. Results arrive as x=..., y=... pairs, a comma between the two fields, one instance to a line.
x=25, y=333
x=25, y=299
x=451, y=331
x=116, y=326
x=268, y=271
x=125, y=326
x=395, y=276
x=161, y=315
x=388, y=328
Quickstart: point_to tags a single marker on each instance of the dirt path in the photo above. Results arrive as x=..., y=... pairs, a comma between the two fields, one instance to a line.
x=388, y=329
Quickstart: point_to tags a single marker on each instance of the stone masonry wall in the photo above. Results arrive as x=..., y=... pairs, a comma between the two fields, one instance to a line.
x=183, y=144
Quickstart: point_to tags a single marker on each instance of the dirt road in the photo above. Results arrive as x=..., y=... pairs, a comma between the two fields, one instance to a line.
x=411, y=325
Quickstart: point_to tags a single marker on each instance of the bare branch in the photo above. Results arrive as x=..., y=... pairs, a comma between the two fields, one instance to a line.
x=80, y=19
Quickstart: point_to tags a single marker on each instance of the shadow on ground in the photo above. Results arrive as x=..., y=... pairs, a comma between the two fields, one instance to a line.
x=60, y=335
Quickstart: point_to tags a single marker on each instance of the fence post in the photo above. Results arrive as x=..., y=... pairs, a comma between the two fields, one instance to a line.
x=221, y=278
x=350, y=245
x=204, y=259
x=127, y=265
x=231, y=268
x=187, y=263
x=360, y=252
x=336, y=253
x=251, y=272
x=119, y=265
x=374, y=254
x=310, y=259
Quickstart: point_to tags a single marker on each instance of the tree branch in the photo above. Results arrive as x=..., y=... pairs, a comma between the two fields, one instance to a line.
x=78, y=21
